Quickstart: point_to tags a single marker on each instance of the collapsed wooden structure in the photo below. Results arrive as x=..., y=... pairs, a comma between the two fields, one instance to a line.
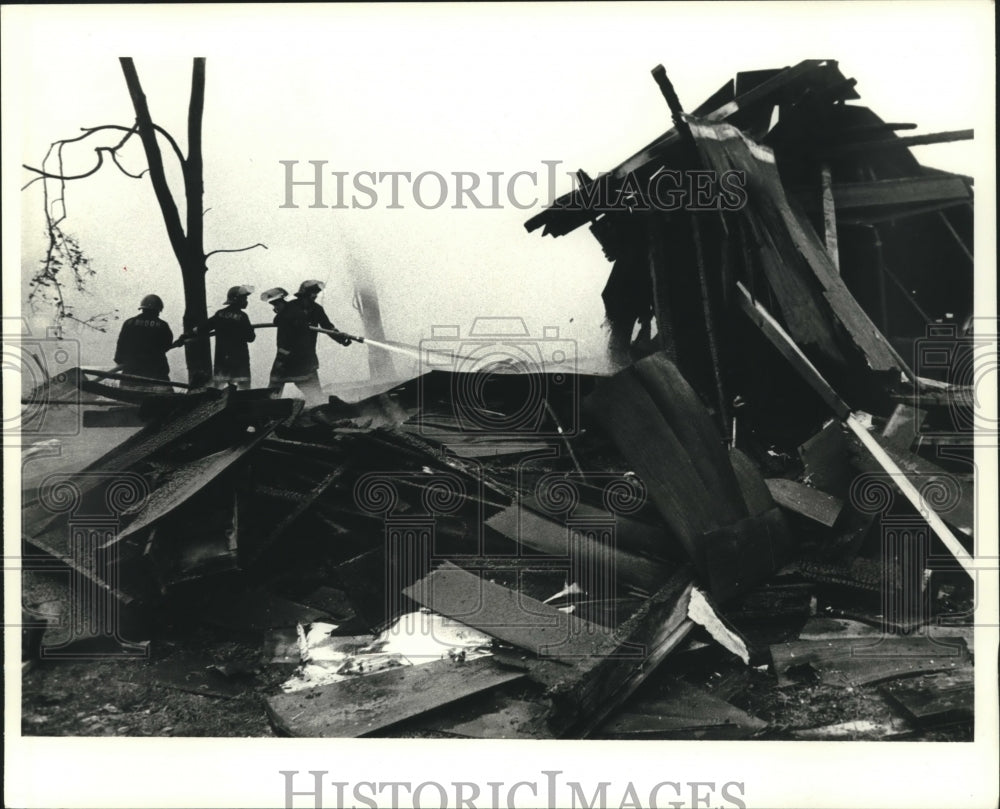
x=718, y=492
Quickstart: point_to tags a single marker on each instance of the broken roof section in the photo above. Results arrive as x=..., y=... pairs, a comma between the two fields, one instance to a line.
x=748, y=102
x=816, y=205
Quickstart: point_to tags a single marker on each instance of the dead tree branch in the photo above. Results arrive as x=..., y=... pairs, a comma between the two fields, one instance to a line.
x=159, y=130
x=236, y=250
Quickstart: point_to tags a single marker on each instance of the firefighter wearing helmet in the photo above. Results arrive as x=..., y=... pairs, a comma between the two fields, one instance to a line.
x=296, y=361
x=276, y=298
x=233, y=335
x=142, y=347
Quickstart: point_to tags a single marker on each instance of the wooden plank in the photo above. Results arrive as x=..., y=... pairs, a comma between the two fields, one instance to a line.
x=745, y=553
x=858, y=730
x=809, y=74
x=517, y=719
x=907, y=142
x=708, y=318
x=825, y=628
x=660, y=426
x=804, y=500
x=509, y=615
x=849, y=197
x=372, y=703
x=181, y=484
x=657, y=275
x=879, y=355
x=797, y=264
x=903, y=426
x=680, y=406
x=824, y=458
x=935, y=699
x=332, y=601
x=903, y=191
x=492, y=449
x=799, y=303
x=857, y=661
x=756, y=495
x=623, y=406
x=133, y=378
x=681, y=711
x=858, y=576
x=829, y=216
x=633, y=535
x=889, y=215
x=554, y=539
x=775, y=602
x=583, y=699
x=780, y=339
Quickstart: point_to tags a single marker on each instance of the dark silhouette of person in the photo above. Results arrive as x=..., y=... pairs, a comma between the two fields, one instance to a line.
x=297, y=361
x=233, y=335
x=142, y=348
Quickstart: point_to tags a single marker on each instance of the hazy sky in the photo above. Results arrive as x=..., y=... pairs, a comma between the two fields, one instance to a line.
x=420, y=89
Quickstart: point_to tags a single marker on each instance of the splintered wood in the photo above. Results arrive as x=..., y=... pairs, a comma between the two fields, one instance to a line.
x=369, y=704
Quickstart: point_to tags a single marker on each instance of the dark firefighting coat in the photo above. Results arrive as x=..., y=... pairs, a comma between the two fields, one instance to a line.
x=142, y=346
x=296, y=341
x=233, y=333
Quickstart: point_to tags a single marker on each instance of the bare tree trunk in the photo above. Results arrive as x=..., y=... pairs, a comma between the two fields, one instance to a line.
x=198, y=353
x=188, y=248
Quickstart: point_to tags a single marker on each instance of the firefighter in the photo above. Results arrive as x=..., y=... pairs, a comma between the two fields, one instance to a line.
x=276, y=297
x=142, y=347
x=233, y=333
x=296, y=361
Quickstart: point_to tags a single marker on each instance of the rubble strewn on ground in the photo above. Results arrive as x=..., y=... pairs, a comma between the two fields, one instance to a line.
x=717, y=541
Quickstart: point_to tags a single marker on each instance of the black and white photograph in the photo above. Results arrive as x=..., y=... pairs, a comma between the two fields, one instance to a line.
x=500, y=405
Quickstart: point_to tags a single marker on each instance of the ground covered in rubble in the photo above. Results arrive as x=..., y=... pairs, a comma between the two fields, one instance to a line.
x=200, y=682
x=151, y=698
x=257, y=585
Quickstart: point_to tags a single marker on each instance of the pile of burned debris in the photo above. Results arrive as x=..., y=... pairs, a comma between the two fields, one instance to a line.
x=766, y=499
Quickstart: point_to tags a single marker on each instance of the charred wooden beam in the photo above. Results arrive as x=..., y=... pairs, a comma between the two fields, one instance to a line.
x=143, y=379
x=510, y=616
x=829, y=216
x=806, y=501
x=582, y=702
x=857, y=661
x=912, y=140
